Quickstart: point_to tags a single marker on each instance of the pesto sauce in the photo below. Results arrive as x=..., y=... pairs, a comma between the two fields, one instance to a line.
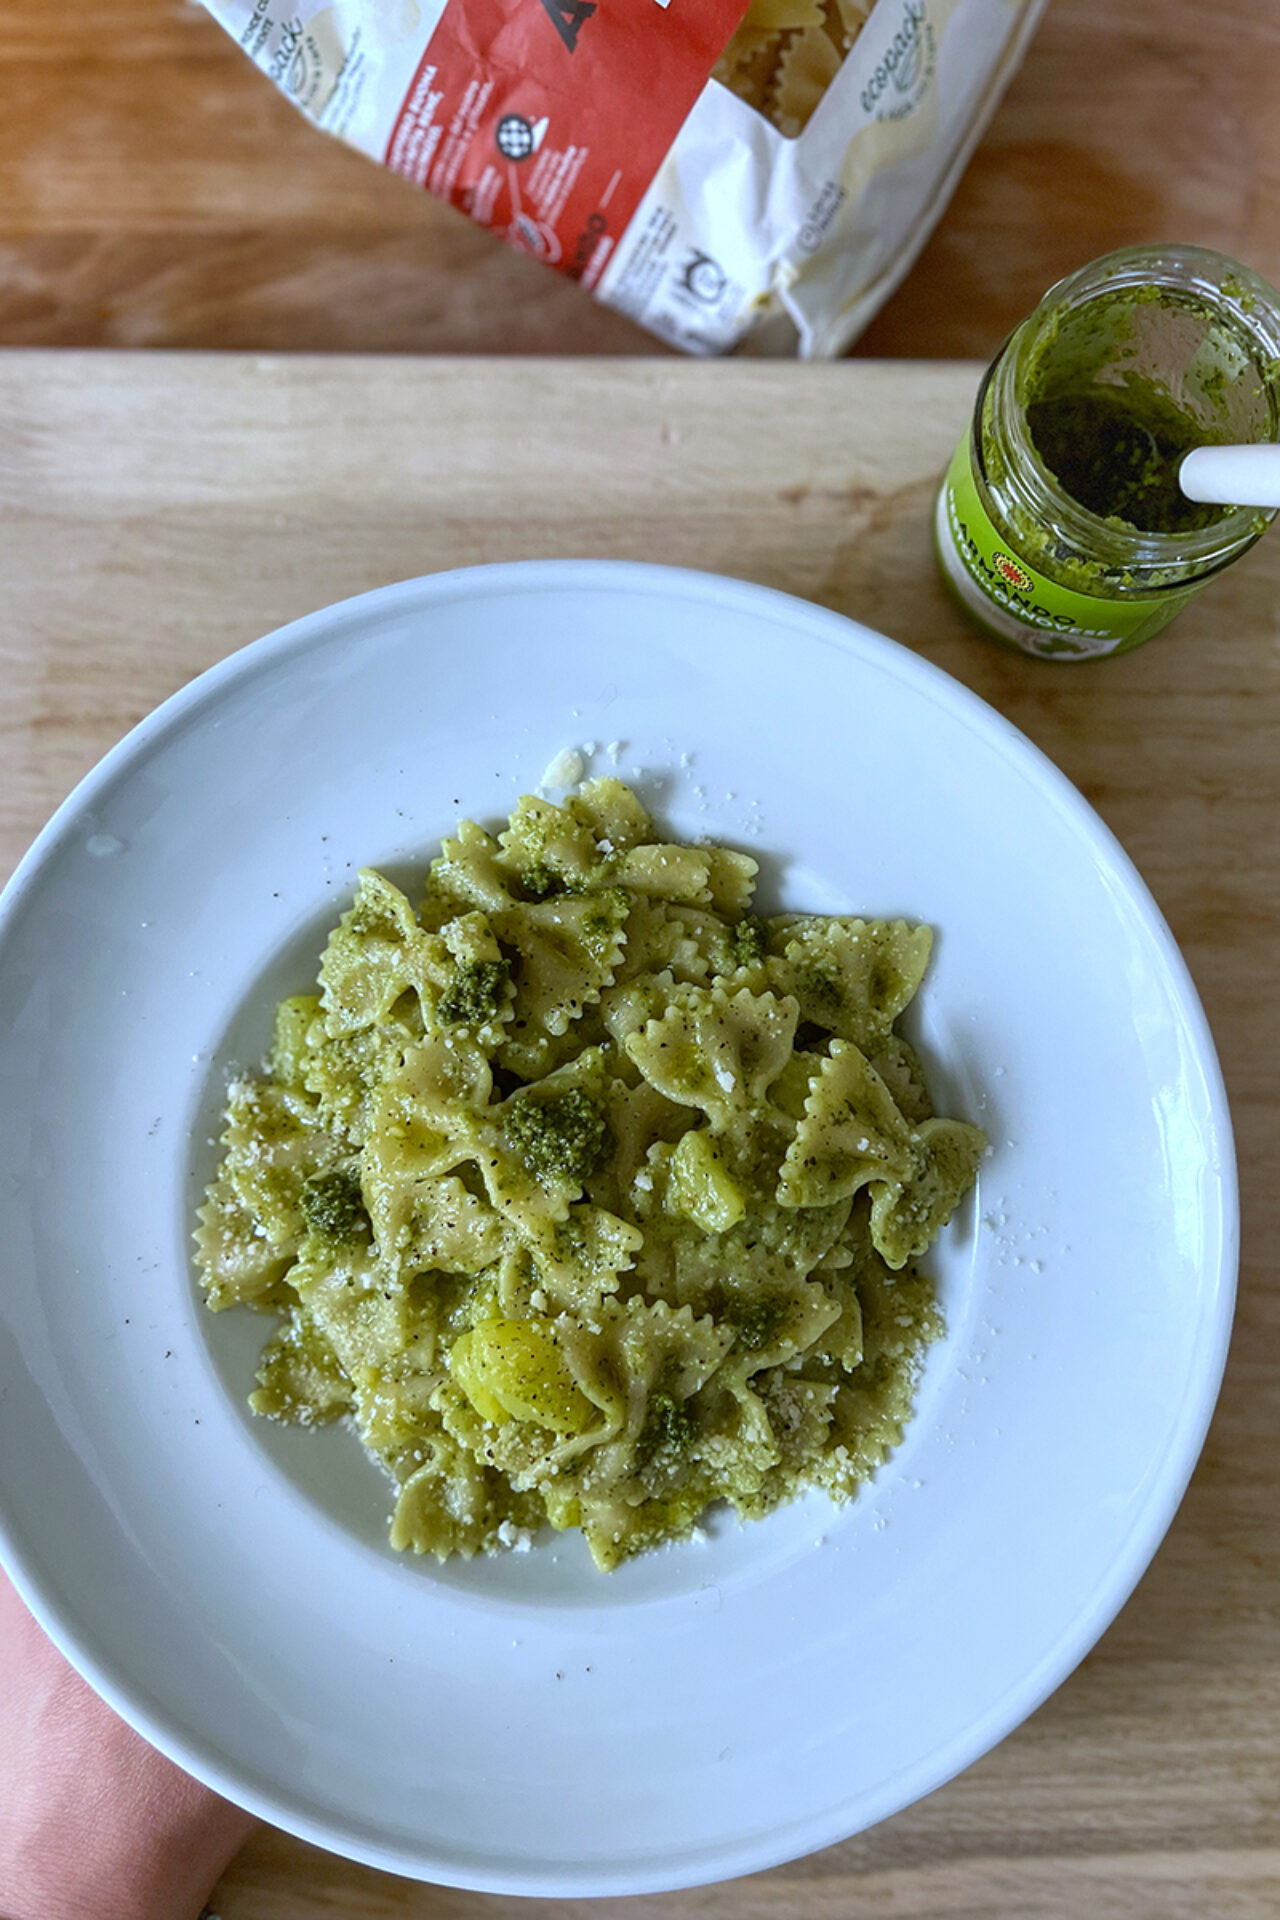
x=541, y=882
x=821, y=994
x=561, y=1139
x=748, y=941
x=754, y=1317
x=333, y=1205
x=666, y=1436
x=475, y=992
x=757, y=1321
x=1117, y=450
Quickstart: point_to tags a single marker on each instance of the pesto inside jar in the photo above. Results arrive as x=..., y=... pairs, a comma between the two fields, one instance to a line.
x=1060, y=526
x=1118, y=450
x=1095, y=400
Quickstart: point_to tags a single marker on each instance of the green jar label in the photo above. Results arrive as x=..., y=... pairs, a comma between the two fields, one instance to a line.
x=1007, y=595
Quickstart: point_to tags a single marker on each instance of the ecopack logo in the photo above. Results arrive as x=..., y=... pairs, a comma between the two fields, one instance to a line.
x=906, y=65
x=1011, y=573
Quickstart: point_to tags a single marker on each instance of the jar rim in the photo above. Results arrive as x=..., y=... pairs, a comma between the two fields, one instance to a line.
x=1236, y=298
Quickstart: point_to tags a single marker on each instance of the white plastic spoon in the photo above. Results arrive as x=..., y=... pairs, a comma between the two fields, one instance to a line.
x=1233, y=476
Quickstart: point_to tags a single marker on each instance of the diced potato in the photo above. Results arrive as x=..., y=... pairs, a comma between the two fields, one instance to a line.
x=701, y=1186
x=516, y=1367
x=467, y=1374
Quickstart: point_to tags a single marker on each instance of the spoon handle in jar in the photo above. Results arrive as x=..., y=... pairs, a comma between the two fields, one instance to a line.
x=1233, y=476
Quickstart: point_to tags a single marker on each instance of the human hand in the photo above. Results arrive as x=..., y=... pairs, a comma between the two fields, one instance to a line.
x=94, y=1823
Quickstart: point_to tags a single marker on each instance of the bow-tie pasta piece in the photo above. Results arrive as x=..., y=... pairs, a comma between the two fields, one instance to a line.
x=717, y=1052
x=300, y=1378
x=585, y=1258
x=908, y=1215
x=667, y=873
x=546, y=851
x=786, y=53
x=428, y=1223
x=377, y=955
x=564, y=953
x=851, y=1133
x=808, y=64
x=240, y=1268
x=901, y=1069
x=467, y=876
x=614, y=815
x=428, y=1120
x=544, y=1142
x=252, y=1224
x=852, y=978
x=626, y=1491
x=452, y=1503
x=344, y=1075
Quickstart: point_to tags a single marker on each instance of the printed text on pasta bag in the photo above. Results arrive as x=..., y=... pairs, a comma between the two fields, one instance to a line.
x=546, y=120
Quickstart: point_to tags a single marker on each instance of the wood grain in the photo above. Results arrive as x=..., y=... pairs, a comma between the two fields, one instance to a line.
x=158, y=511
x=156, y=191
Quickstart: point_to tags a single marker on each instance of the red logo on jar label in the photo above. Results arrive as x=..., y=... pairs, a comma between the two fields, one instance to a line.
x=1011, y=573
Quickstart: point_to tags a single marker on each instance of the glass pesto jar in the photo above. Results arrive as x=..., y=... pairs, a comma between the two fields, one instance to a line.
x=1060, y=526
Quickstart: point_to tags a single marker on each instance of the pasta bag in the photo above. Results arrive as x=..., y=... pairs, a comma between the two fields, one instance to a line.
x=718, y=171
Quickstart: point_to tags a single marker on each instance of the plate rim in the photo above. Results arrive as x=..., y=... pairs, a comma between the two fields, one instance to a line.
x=130, y=1699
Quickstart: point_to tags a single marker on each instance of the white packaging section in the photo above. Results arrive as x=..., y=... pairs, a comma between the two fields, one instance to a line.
x=741, y=223
x=346, y=64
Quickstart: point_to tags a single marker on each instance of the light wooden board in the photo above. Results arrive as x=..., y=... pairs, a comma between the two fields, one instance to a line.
x=159, y=511
x=155, y=190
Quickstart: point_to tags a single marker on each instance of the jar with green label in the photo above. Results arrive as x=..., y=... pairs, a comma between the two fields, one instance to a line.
x=1060, y=526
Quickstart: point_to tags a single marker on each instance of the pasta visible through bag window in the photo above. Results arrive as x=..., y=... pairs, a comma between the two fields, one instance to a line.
x=786, y=53
x=586, y=1196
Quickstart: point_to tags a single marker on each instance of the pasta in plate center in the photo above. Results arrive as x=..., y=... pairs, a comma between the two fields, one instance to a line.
x=586, y=1196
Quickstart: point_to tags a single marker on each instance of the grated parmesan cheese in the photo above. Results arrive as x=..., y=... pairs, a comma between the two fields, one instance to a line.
x=565, y=770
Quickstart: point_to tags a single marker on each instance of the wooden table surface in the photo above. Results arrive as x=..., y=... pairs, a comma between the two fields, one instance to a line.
x=158, y=511
x=155, y=190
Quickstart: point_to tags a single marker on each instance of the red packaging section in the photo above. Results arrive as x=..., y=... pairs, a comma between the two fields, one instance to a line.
x=545, y=120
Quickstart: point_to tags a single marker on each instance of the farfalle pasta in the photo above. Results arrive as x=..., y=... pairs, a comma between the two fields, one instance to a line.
x=587, y=1197
x=786, y=53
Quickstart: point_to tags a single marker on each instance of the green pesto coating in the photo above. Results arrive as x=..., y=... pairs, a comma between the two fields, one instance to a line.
x=747, y=940
x=754, y=1316
x=666, y=1435
x=1117, y=451
x=332, y=1204
x=756, y=1319
x=822, y=993
x=474, y=994
x=561, y=1139
x=540, y=881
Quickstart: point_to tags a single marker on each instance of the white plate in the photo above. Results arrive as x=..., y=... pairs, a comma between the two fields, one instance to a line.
x=527, y=1724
